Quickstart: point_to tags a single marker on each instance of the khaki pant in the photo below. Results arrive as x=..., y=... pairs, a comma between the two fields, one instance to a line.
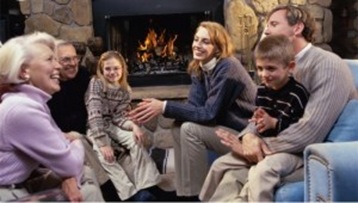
x=229, y=173
x=7, y=194
x=191, y=144
x=266, y=176
x=225, y=179
x=92, y=161
x=89, y=187
x=132, y=172
x=91, y=158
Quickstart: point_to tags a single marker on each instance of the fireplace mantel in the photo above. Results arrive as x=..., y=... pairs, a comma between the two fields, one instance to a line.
x=161, y=92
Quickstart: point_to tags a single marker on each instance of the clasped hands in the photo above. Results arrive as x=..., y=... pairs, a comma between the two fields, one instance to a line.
x=262, y=120
x=251, y=147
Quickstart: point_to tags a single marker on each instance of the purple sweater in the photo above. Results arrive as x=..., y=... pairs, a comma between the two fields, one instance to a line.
x=29, y=137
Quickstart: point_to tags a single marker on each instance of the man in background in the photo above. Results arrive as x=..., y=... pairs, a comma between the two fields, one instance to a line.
x=69, y=111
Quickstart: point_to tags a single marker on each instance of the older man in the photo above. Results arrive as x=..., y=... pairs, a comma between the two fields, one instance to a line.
x=69, y=111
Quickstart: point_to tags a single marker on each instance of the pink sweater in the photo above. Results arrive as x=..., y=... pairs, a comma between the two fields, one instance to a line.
x=29, y=137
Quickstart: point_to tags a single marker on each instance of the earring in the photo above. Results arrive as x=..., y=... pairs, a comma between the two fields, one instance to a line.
x=26, y=77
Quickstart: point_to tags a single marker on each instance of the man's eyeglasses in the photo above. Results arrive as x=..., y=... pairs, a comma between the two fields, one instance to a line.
x=69, y=59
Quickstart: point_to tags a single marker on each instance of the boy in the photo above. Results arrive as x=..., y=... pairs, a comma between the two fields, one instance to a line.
x=280, y=102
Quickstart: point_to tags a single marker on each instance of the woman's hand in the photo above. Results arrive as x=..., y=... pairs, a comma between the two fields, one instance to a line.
x=146, y=110
x=230, y=140
x=72, y=135
x=138, y=134
x=107, y=153
x=71, y=190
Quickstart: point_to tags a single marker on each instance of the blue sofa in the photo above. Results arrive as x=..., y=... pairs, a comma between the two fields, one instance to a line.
x=330, y=167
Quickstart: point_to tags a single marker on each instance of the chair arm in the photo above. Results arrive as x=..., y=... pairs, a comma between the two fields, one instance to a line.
x=330, y=172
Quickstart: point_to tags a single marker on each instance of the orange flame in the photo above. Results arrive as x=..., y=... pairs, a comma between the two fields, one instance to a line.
x=156, y=46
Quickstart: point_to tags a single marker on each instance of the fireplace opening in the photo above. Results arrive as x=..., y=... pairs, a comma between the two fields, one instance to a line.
x=157, y=48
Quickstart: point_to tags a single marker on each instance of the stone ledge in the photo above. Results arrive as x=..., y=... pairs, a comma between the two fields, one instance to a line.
x=161, y=92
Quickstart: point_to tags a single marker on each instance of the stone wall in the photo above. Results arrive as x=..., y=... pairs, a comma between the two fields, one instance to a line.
x=66, y=19
x=72, y=19
x=245, y=20
x=345, y=25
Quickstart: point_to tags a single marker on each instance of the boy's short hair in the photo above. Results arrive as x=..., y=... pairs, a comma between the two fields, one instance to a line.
x=275, y=48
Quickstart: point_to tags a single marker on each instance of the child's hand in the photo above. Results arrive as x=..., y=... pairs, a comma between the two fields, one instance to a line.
x=265, y=121
x=258, y=113
x=107, y=153
x=138, y=134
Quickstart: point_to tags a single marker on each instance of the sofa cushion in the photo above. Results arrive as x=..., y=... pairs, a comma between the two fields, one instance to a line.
x=346, y=127
x=290, y=192
x=353, y=65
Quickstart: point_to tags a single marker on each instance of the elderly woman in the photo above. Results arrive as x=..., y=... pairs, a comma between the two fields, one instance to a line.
x=29, y=138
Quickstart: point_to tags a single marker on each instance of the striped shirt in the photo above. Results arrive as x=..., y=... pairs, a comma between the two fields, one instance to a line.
x=330, y=84
x=286, y=105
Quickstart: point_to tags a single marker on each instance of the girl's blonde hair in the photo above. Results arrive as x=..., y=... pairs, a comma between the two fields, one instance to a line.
x=221, y=40
x=116, y=55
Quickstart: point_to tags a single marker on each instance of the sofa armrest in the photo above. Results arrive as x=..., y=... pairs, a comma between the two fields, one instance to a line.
x=330, y=172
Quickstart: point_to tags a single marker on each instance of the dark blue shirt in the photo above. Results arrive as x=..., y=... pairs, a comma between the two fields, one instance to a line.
x=224, y=96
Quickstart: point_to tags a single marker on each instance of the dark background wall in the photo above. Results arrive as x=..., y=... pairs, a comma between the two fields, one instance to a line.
x=11, y=19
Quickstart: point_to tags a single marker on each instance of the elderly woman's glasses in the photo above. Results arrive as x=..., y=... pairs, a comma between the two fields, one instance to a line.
x=69, y=59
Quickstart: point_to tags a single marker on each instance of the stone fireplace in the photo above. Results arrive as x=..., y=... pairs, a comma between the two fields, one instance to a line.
x=79, y=20
x=123, y=25
x=155, y=40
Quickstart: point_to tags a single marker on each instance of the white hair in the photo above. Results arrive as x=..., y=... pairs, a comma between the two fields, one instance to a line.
x=16, y=52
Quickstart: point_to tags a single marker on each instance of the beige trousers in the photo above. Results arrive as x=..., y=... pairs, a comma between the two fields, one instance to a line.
x=225, y=179
x=191, y=142
x=265, y=176
x=132, y=172
x=89, y=187
x=229, y=173
x=93, y=162
x=91, y=158
x=7, y=194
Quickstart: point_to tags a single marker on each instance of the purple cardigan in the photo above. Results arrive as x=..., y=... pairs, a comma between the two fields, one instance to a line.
x=29, y=137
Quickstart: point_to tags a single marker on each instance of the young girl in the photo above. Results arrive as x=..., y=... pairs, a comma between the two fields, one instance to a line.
x=107, y=101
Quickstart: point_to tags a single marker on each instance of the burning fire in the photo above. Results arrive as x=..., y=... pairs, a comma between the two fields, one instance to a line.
x=154, y=46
